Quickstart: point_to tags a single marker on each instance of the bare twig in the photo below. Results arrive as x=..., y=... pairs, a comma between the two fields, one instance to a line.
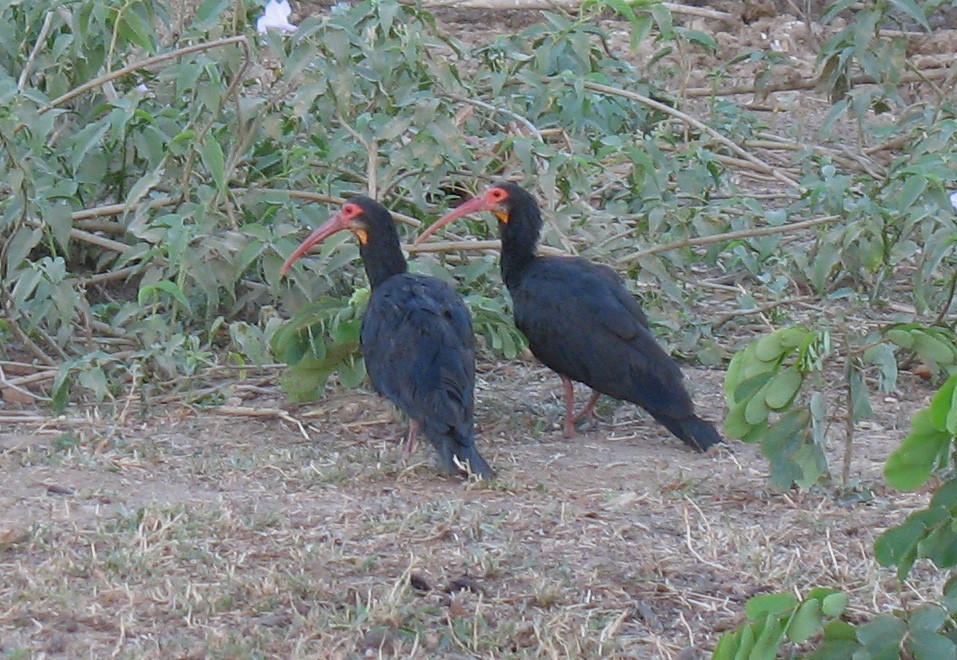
x=21, y=336
x=809, y=83
x=730, y=236
x=110, y=276
x=760, y=309
x=31, y=60
x=16, y=385
x=144, y=64
x=524, y=121
x=325, y=199
x=268, y=413
x=470, y=246
x=701, y=126
x=92, y=239
x=117, y=209
x=29, y=379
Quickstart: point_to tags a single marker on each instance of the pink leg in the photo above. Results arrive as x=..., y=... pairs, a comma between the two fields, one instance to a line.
x=589, y=411
x=410, y=440
x=570, y=431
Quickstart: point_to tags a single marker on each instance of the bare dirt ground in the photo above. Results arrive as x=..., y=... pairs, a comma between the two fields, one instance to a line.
x=183, y=532
x=177, y=531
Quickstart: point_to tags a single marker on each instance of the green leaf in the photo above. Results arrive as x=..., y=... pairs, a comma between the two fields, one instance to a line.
x=769, y=347
x=928, y=618
x=883, y=356
x=145, y=183
x=911, y=464
x=860, y=401
x=940, y=546
x=766, y=604
x=214, y=159
x=913, y=10
x=882, y=636
x=780, y=391
x=931, y=646
x=84, y=140
x=19, y=247
x=897, y=546
x=165, y=286
x=135, y=28
x=61, y=388
x=913, y=187
x=59, y=218
x=735, y=425
x=352, y=372
x=208, y=13
x=934, y=349
x=834, y=604
x=900, y=336
x=943, y=407
x=768, y=643
x=806, y=622
x=756, y=410
x=702, y=39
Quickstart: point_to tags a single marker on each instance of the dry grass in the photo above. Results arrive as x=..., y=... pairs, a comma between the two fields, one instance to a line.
x=186, y=534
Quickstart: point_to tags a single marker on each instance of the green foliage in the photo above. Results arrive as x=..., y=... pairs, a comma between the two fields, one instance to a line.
x=927, y=631
x=927, y=448
x=761, y=386
x=766, y=383
x=777, y=619
x=320, y=339
x=184, y=169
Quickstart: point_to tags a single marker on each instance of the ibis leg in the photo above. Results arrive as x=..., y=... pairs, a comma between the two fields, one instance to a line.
x=589, y=411
x=570, y=431
x=410, y=440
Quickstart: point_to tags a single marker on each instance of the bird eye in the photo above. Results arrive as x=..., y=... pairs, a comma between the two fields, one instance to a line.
x=497, y=194
x=351, y=210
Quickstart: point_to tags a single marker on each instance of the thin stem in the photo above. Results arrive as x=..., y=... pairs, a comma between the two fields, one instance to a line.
x=143, y=64
x=730, y=236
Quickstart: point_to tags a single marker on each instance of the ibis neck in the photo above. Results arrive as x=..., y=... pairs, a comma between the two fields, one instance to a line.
x=382, y=258
x=515, y=259
x=519, y=239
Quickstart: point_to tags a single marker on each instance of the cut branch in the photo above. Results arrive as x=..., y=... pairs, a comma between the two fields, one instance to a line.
x=730, y=236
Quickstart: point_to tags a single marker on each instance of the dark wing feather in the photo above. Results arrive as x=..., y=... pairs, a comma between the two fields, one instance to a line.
x=581, y=322
x=420, y=353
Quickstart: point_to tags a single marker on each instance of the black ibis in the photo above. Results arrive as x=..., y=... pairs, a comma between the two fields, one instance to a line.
x=582, y=322
x=416, y=338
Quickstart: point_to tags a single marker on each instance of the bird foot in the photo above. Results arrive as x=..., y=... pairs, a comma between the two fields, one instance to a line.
x=586, y=415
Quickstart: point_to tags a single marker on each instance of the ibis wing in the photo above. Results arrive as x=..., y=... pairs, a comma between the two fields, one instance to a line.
x=419, y=349
x=581, y=322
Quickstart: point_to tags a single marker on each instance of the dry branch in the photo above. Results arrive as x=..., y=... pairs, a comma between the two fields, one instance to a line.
x=804, y=84
x=730, y=236
x=470, y=246
x=324, y=199
x=701, y=126
x=760, y=309
x=145, y=64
